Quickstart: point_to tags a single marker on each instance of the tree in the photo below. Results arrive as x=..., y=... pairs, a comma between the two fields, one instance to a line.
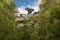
x=48, y=21
x=29, y=10
x=7, y=20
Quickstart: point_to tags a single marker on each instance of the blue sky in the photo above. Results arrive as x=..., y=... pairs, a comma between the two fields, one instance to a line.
x=24, y=2
x=21, y=4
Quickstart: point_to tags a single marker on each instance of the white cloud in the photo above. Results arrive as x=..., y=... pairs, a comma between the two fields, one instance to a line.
x=21, y=10
x=35, y=6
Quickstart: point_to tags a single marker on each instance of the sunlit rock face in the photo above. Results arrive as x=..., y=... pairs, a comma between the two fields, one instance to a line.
x=20, y=20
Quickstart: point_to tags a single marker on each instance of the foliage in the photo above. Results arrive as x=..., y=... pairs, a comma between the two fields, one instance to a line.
x=47, y=21
x=7, y=20
x=44, y=26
